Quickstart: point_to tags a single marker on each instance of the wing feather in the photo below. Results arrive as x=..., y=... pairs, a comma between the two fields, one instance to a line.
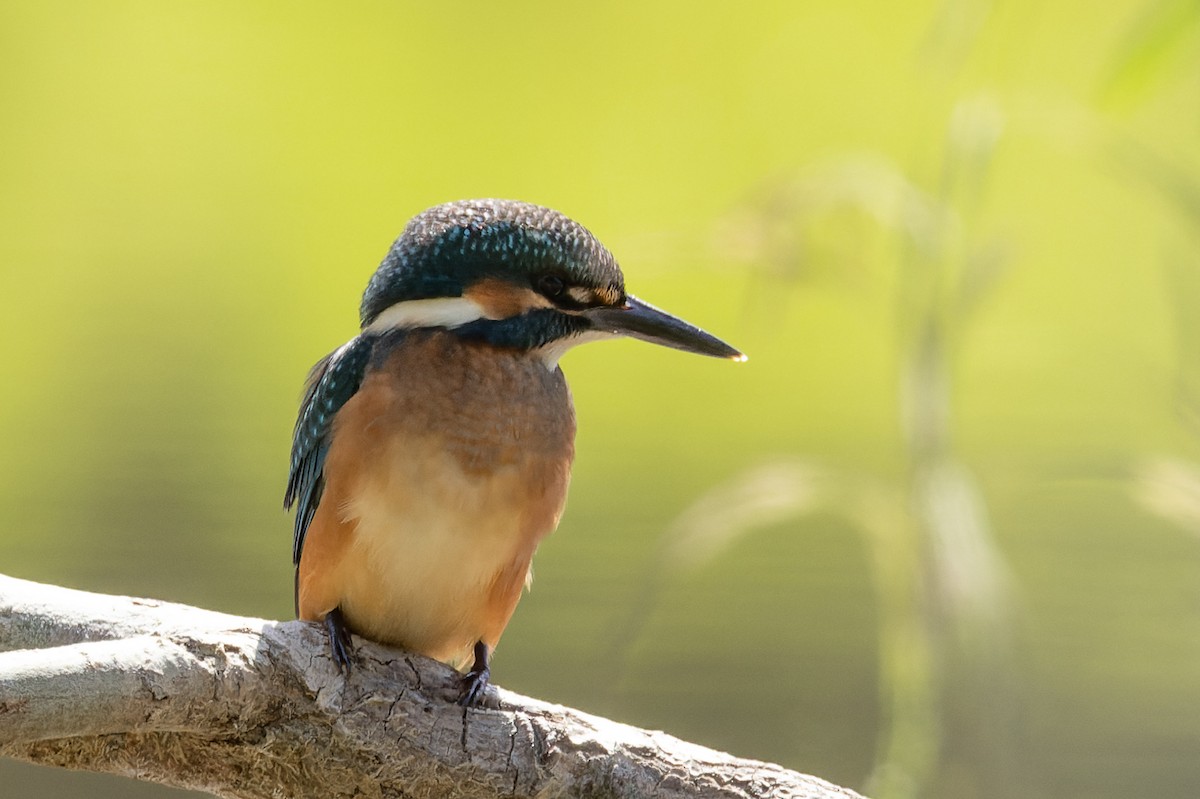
x=331, y=383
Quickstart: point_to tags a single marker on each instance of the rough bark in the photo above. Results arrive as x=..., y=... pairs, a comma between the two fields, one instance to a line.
x=243, y=707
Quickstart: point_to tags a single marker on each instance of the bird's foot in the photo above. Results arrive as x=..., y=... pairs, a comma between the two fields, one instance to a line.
x=340, y=645
x=475, y=682
x=474, y=687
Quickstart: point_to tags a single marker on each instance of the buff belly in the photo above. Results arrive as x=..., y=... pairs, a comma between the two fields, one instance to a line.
x=433, y=509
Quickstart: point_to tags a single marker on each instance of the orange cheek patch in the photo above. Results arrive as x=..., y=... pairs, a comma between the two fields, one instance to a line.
x=500, y=299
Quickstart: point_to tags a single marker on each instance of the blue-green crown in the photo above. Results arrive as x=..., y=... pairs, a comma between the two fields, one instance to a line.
x=448, y=247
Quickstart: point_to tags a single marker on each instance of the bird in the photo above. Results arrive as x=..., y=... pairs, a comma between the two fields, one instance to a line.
x=432, y=452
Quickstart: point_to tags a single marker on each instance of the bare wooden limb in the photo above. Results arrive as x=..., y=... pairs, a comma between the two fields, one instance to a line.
x=255, y=709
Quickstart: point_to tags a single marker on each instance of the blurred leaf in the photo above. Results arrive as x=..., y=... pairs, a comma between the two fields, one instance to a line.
x=952, y=34
x=976, y=125
x=1152, y=49
x=1169, y=487
x=775, y=231
x=763, y=496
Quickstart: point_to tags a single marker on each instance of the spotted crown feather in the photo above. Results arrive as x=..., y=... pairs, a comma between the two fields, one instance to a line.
x=445, y=247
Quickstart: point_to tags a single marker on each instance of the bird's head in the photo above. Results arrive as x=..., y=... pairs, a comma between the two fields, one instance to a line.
x=515, y=275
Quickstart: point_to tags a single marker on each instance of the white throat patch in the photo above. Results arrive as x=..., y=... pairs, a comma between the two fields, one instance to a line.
x=550, y=353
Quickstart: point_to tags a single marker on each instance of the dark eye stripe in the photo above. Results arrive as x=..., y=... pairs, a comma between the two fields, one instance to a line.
x=568, y=297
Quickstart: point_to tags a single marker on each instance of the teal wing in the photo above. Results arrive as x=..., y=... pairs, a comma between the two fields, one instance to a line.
x=331, y=383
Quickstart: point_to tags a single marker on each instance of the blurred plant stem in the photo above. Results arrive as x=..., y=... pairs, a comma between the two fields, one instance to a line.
x=942, y=587
x=944, y=596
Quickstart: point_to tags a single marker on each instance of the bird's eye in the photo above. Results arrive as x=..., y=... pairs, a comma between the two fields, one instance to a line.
x=550, y=285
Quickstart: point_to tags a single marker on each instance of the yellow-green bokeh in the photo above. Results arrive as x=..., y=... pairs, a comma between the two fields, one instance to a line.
x=193, y=195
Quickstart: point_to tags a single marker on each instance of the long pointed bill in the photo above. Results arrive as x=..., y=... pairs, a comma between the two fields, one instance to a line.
x=639, y=319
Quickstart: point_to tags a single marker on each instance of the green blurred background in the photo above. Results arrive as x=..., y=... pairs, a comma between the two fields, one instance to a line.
x=937, y=538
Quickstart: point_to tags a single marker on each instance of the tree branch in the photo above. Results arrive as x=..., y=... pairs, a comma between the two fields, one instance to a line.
x=255, y=709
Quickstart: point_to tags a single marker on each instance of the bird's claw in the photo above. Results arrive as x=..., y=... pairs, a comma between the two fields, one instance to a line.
x=341, y=648
x=474, y=687
x=475, y=682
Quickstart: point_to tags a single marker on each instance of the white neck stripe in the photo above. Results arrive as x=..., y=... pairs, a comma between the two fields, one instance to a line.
x=457, y=311
x=436, y=312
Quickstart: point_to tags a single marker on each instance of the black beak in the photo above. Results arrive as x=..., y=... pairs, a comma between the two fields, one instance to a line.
x=638, y=319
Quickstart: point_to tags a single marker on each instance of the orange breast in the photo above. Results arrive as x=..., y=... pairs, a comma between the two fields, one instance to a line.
x=445, y=470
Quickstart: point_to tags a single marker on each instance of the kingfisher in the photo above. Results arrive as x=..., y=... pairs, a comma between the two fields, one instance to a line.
x=432, y=451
